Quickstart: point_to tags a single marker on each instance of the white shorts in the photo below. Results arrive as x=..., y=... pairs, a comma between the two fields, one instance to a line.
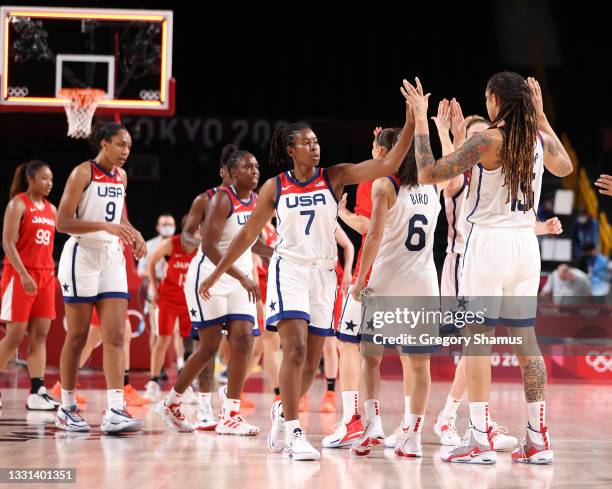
x=501, y=272
x=350, y=320
x=422, y=283
x=297, y=291
x=451, y=274
x=229, y=300
x=91, y=270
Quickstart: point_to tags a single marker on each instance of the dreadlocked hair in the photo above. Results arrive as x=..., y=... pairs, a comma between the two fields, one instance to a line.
x=387, y=137
x=407, y=173
x=230, y=154
x=519, y=133
x=281, y=140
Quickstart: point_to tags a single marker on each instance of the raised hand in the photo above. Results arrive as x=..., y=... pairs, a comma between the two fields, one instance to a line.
x=416, y=99
x=443, y=119
x=536, y=97
x=458, y=122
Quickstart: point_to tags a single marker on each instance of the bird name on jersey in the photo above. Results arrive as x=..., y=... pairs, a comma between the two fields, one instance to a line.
x=43, y=220
x=419, y=199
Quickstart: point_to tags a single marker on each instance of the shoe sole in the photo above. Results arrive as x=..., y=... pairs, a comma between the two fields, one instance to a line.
x=400, y=453
x=53, y=408
x=64, y=427
x=221, y=430
x=118, y=428
x=543, y=458
x=486, y=458
x=206, y=428
x=302, y=457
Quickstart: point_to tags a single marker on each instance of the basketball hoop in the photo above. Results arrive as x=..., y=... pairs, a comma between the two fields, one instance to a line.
x=80, y=105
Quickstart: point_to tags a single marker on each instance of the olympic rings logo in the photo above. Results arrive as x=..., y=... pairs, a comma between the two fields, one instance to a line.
x=18, y=91
x=600, y=362
x=149, y=94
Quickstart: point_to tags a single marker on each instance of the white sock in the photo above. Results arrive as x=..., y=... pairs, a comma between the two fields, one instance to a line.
x=230, y=406
x=204, y=401
x=372, y=409
x=173, y=397
x=537, y=414
x=415, y=422
x=290, y=427
x=68, y=399
x=479, y=415
x=406, y=407
x=180, y=363
x=451, y=406
x=114, y=399
x=350, y=405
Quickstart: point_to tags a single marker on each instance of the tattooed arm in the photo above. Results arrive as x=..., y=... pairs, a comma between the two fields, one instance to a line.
x=556, y=159
x=453, y=164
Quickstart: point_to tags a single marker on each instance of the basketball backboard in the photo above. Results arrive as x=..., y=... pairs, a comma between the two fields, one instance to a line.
x=125, y=53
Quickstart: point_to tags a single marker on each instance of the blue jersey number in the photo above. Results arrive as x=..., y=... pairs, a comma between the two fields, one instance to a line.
x=110, y=212
x=419, y=232
x=310, y=215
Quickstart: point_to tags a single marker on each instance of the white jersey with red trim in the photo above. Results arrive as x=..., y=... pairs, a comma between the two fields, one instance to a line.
x=407, y=245
x=306, y=218
x=454, y=207
x=101, y=201
x=239, y=215
x=487, y=200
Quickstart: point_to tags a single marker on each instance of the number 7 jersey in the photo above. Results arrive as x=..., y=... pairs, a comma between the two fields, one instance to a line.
x=306, y=214
x=101, y=201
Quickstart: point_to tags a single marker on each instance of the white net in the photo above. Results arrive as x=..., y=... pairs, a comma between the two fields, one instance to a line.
x=80, y=105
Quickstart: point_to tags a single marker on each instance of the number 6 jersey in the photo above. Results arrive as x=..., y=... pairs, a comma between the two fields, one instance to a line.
x=101, y=201
x=306, y=215
x=404, y=264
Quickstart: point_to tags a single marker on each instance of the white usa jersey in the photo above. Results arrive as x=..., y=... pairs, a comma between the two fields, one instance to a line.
x=306, y=215
x=454, y=207
x=407, y=244
x=102, y=201
x=239, y=215
x=487, y=198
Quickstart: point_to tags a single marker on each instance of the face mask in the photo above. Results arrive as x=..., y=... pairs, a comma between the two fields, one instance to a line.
x=167, y=230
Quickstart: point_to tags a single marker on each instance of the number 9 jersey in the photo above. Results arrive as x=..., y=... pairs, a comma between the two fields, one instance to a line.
x=102, y=200
x=92, y=265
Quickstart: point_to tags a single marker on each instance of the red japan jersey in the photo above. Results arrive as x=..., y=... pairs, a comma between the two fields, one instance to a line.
x=36, y=235
x=171, y=288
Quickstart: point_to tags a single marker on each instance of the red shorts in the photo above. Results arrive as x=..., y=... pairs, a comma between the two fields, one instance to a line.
x=19, y=307
x=167, y=317
x=338, y=307
x=95, y=319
